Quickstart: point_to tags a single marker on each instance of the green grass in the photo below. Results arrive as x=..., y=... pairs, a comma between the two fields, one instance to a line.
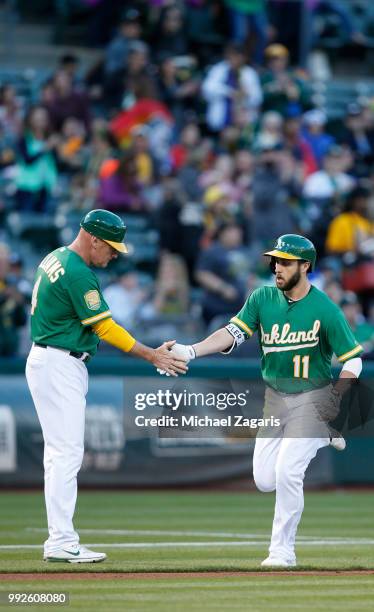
x=172, y=522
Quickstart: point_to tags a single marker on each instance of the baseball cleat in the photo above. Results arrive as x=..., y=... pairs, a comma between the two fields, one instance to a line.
x=276, y=562
x=75, y=554
x=338, y=443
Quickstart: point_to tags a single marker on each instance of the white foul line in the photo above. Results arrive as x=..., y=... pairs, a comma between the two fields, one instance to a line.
x=208, y=534
x=343, y=542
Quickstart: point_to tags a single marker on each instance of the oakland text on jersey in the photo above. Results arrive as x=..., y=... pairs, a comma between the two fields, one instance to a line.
x=52, y=267
x=303, y=339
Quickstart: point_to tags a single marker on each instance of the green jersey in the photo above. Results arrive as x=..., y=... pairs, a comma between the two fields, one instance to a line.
x=66, y=302
x=297, y=338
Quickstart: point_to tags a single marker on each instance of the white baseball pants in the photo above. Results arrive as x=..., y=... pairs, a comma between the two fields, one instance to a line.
x=58, y=384
x=281, y=458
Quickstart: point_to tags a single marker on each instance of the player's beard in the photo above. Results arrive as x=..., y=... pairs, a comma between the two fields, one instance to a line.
x=292, y=282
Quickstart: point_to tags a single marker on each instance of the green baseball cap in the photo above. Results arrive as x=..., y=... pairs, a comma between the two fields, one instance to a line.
x=107, y=226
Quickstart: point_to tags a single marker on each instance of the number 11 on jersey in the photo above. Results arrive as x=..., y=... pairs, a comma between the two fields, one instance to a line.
x=301, y=364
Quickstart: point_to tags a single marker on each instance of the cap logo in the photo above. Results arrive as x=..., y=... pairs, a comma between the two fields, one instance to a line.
x=92, y=299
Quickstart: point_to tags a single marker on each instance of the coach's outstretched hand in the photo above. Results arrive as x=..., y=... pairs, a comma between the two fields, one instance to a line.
x=181, y=351
x=169, y=361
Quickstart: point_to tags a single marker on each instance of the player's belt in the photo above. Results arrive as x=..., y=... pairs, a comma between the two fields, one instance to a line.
x=81, y=356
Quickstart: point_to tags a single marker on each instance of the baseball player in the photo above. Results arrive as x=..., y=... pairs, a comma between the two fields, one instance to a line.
x=299, y=330
x=69, y=317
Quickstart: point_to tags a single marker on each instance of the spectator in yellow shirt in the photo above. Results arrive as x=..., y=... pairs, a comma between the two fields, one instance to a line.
x=350, y=229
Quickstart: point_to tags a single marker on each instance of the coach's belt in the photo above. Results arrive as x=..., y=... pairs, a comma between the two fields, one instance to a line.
x=81, y=356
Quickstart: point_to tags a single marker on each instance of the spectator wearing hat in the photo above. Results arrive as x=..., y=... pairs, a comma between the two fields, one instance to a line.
x=349, y=231
x=231, y=87
x=314, y=133
x=117, y=51
x=359, y=137
x=247, y=17
x=283, y=89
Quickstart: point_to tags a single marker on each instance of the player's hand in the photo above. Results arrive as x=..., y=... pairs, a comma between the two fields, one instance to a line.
x=167, y=360
x=181, y=351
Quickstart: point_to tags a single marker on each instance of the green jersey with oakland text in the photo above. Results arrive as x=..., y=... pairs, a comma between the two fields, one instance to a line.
x=297, y=338
x=66, y=302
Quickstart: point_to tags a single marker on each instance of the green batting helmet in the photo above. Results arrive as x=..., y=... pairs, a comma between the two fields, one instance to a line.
x=107, y=226
x=293, y=246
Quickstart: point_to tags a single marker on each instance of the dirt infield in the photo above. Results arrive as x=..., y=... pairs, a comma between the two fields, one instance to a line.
x=172, y=575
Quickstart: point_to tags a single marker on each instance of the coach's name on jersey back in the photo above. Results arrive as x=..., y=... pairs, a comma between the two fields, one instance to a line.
x=52, y=267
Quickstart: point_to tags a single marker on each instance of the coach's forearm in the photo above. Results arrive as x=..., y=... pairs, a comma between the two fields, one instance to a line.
x=114, y=334
x=143, y=351
x=219, y=341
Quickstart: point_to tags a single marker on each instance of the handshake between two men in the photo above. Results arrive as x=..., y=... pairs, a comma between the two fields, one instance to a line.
x=183, y=353
x=171, y=358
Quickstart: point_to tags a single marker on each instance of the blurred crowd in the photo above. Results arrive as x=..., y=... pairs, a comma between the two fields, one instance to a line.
x=198, y=127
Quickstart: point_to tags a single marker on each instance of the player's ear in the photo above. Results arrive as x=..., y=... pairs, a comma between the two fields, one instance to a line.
x=307, y=266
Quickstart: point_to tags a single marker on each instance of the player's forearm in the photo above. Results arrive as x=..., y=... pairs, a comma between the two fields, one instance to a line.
x=350, y=372
x=217, y=342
